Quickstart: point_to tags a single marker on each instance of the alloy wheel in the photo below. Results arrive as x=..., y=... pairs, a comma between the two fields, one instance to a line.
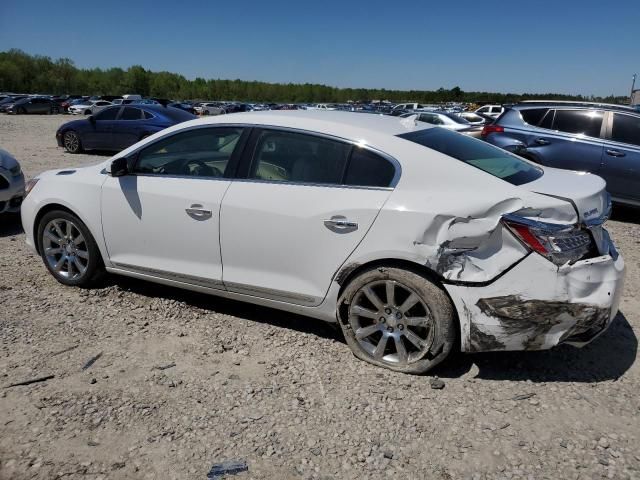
x=65, y=249
x=71, y=142
x=391, y=322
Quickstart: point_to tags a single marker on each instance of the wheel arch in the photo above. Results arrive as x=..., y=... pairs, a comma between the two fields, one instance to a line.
x=50, y=207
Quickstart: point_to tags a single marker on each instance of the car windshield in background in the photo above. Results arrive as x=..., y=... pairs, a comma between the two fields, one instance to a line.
x=477, y=154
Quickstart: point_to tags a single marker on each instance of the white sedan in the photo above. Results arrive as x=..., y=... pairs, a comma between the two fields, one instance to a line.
x=414, y=239
x=91, y=107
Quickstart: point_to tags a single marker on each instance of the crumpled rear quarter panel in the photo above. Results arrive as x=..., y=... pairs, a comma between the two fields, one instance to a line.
x=537, y=305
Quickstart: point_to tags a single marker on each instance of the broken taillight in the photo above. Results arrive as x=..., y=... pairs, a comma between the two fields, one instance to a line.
x=558, y=243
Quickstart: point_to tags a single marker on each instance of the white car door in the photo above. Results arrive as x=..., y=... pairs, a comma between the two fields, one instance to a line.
x=305, y=205
x=163, y=218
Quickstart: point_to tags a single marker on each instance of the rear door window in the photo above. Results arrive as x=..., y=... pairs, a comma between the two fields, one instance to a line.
x=626, y=129
x=476, y=153
x=296, y=157
x=581, y=122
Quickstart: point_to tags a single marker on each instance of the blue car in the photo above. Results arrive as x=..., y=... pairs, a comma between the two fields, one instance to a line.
x=116, y=128
x=598, y=138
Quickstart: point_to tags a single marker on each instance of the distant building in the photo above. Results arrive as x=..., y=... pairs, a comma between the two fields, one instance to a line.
x=635, y=97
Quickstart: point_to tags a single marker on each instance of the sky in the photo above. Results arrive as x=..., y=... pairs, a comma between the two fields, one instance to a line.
x=564, y=46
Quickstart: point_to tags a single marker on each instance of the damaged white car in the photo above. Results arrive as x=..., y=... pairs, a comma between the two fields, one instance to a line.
x=414, y=239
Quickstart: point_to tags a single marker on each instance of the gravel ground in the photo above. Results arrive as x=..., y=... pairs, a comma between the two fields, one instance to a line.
x=183, y=381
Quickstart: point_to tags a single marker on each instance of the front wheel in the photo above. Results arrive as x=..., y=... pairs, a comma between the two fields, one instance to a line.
x=68, y=249
x=71, y=142
x=397, y=319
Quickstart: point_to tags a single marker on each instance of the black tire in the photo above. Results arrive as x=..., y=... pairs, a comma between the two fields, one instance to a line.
x=71, y=142
x=93, y=265
x=22, y=111
x=436, y=331
x=87, y=112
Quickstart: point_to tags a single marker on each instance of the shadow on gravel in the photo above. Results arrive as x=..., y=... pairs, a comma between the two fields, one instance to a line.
x=622, y=213
x=607, y=358
x=255, y=313
x=10, y=225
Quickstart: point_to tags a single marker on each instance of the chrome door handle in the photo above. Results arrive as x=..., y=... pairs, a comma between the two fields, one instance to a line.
x=338, y=222
x=542, y=141
x=615, y=153
x=197, y=212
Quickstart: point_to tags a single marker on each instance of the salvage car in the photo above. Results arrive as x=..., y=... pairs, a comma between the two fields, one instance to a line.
x=597, y=138
x=11, y=183
x=118, y=127
x=373, y=222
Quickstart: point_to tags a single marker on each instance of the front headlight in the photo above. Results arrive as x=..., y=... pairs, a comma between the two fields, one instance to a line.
x=29, y=186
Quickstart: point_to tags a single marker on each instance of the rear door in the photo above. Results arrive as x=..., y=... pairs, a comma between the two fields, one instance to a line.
x=304, y=204
x=570, y=139
x=621, y=156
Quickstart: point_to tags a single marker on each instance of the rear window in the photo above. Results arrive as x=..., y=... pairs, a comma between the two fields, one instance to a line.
x=476, y=153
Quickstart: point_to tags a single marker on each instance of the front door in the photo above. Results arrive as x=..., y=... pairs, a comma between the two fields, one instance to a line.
x=163, y=219
x=289, y=226
x=99, y=133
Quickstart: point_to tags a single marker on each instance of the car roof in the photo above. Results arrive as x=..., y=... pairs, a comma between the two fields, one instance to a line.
x=331, y=122
x=568, y=103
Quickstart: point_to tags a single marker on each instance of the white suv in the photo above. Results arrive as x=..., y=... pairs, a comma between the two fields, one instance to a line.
x=491, y=110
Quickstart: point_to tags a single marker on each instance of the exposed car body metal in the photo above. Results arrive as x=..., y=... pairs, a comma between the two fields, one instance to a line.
x=436, y=218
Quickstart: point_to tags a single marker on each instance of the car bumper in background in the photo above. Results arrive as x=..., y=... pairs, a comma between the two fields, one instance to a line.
x=11, y=196
x=537, y=305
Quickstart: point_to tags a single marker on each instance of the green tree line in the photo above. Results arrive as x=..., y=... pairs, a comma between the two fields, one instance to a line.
x=21, y=72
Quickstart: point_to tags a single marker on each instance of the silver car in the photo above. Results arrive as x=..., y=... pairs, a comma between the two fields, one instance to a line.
x=11, y=183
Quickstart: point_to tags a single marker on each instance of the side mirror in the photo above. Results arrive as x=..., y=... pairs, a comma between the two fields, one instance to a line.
x=119, y=167
x=91, y=118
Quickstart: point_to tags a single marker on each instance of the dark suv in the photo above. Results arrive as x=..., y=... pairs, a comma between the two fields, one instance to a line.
x=597, y=138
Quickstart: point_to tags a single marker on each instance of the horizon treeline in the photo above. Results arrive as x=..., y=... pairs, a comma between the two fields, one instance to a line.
x=21, y=72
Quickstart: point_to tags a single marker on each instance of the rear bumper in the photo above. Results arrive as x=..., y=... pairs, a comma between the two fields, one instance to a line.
x=537, y=305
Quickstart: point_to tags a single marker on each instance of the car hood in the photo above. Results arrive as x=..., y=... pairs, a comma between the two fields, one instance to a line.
x=585, y=191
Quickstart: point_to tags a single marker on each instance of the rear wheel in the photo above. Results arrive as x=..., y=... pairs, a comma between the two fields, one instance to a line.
x=68, y=249
x=397, y=319
x=71, y=142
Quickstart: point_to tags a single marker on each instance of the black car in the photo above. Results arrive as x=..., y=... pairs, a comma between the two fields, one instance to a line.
x=10, y=100
x=34, y=105
x=187, y=107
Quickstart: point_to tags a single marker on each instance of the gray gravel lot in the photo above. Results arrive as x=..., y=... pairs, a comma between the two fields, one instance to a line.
x=186, y=380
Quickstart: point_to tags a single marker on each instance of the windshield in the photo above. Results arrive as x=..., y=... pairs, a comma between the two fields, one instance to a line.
x=456, y=118
x=477, y=153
